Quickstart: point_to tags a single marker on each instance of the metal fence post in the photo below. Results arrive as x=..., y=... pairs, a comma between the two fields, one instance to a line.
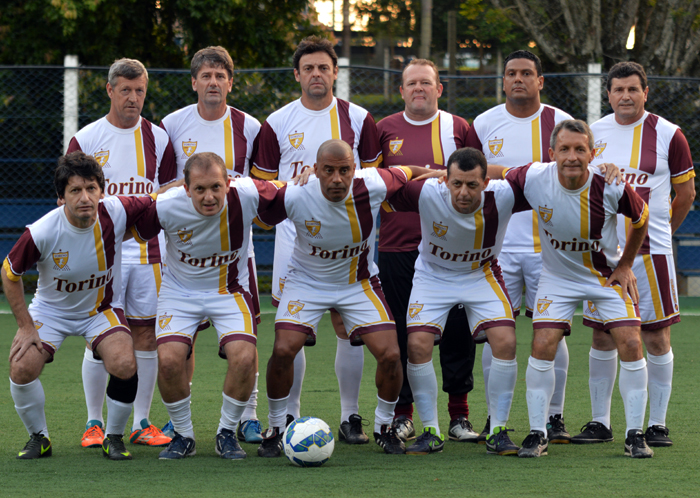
x=70, y=99
x=342, y=85
x=594, y=90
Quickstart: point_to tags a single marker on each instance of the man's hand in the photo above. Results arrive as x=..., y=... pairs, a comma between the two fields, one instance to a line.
x=303, y=178
x=25, y=338
x=628, y=282
x=440, y=174
x=611, y=172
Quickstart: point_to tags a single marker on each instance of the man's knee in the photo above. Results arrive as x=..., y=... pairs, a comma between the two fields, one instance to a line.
x=602, y=341
x=27, y=369
x=241, y=356
x=629, y=343
x=172, y=358
x=287, y=345
x=545, y=343
x=657, y=342
x=420, y=347
x=144, y=337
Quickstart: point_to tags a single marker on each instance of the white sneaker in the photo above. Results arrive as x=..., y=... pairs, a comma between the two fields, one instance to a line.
x=403, y=426
x=461, y=430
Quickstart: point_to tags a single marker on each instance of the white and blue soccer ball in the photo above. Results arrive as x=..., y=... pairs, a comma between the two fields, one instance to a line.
x=308, y=442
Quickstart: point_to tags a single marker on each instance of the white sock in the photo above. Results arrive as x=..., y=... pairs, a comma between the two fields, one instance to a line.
x=251, y=408
x=633, y=388
x=540, y=382
x=29, y=402
x=147, y=364
x=602, y=370
x=486, y=357
x=294, y=403
x=384, y=414
x=504, y=374
x=231, y=411
x=181, y=416
x=425, y=392
x=349, y=362
x=277, y=413
x=117, y=416
x=95, y=379
x=660, y=369
x=561, y=371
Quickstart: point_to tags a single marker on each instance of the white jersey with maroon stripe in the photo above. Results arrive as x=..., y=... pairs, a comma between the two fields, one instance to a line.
x=335, y=240
x=208, y=253
x=578, y=228
x=231, y=137
x=79, y=268
x=651, y=154
x=510, y=141
x=135, y=161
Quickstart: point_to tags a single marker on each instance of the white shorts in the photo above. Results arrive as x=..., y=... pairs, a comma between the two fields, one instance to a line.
x=285, y=233
x=558, y=298
x=361, y=305
x=658, y=294
x=140, y=287
x=482, y=293
x=53, y=330
x=521, y=269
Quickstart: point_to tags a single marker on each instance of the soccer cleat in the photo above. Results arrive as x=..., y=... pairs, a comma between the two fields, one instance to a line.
x=149, y=435
x=250, y=431
x=351, y=431
x=556, y=430
x=271, y=446
x=428, y=442
x=534, y=446
x=593, y=432
x=169, y=430
x=93, y=436
x=485, y=433
x=38, y=446
x=657, y=436
x=461, y=430
x=403, y=426
x=636, y=445
x=179, y=447
x=389, y=440
x=227, y=446
x=500, y=444
x=114, y=449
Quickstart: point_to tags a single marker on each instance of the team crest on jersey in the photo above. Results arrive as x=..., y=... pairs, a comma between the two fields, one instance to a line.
x=542, y=305
x=102, y=157
x=38, y=325
x=296, y=140
x=188, y=147
x=314, y=227
x=414, y=309
x=185, y=236
x=395, y=147
x=592, y=308
x=495, y=147
x=293, y=309
x=164, y=321
x=60, y=261
x=282, y=281
x=599, y=147
x=439, y=230
x=546, y=215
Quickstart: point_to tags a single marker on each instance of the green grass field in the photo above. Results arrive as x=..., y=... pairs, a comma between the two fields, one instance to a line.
x=461, y=470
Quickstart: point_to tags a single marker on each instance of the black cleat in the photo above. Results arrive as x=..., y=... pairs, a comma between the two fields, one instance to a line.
x=271, y=446
x=403, y=426
x=38, y=446
x=593, y=432
x=657, y=436
x=556, y=430
x=179, y=447
x=114, y=449
x=351, y=431
x=461, y=430
x=636, y=445
x=485, y=433
x=534, y=446
x=500, y=444
x=428, y=442
x=227, y=446
x=388, y=440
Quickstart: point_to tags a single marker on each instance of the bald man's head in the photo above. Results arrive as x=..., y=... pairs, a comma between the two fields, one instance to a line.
x=335, y=169
x=334, y=147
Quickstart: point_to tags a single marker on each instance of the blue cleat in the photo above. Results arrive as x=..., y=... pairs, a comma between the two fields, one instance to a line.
x=169, y=430
x=179, y=447
x=250, y=431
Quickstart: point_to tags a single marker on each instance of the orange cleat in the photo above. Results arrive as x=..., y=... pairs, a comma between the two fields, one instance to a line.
x=149, y=435
x=93, y=436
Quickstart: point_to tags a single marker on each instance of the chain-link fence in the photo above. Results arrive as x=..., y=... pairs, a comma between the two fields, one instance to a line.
x=33, y=118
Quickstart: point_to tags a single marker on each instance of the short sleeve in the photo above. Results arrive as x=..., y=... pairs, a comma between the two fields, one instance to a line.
x=22, y=257
x=633, y=207
x=406, y=198
x=369, y=149
x=266, y=154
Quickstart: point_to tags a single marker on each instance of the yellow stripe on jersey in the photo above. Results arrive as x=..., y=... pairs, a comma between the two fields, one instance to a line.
x=136, y=235
x=387, y=207
x=8, y=270
x=408, y=172
x=536, y=141
x=383, y=315
x=684, y=177
x=278, y=184
x=111, y=317
x=628, y=222
x=372, y=164
x=228, y=143
x=478, y=233
x=265, y=175
x=636, y=142
x=642, y=218
x=261, y=224
x=536, y=232
x=143, y=253
x=335, y=127
x=223, y=229
x=223, y=279
x=352, y=218
x=588, y=263
x=99, y=248
x=157, y=273
x=583, y=201
x=98, y=301
x=353, y=270
x=140, y=160
x=507, y=308
x=245, y=311
x=653, y=285
x=435, y=138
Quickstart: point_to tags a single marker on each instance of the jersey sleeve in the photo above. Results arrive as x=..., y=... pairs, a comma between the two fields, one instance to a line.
x=22, y=257
x=141, y=216
x=633, y=207
x=406, y=198
x=461, y=132
x=473, y=139
x=369, y=149
x=271, y=208
x=516, y=177
x=266, y=154
x=680, y=161
x=394, y=178
x=167, y=172
x=73, y=145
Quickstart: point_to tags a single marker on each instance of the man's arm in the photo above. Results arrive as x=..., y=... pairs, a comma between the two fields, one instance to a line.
x=685, y=195
x=623, y=273
x=26, y=335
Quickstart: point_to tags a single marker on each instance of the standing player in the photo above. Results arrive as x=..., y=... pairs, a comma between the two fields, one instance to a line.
x=422, y=134
x=77, y=249
x=286, y=146
x=136, y=158
x=655, y=157
x=513, y=134
x=211, y=125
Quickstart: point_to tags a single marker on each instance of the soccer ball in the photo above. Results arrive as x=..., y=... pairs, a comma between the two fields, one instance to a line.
x=308, y=442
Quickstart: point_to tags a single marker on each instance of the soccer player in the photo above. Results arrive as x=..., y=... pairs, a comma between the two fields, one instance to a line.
x=207, y=228
x=136, y=158
x=287, y=146
x=513, y=134
x=577, y=227
x=463, y=223
x=78, y=250
x=655, y=157
x=332, y=267
x=422, y=134
x=211, y=125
